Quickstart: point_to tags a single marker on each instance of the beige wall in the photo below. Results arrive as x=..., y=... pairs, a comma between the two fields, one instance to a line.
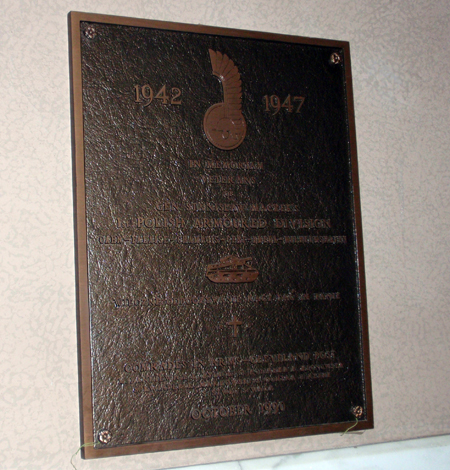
x=400, y=57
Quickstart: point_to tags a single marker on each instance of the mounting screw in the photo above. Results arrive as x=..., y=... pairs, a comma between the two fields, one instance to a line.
x=335, y=58
x=104, y=436
x=357, y=411
x=90, y=32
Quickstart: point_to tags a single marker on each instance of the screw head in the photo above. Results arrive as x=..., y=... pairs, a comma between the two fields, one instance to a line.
x=335, y=58
x=357, y=411
x=104, y=436
x=90, y=32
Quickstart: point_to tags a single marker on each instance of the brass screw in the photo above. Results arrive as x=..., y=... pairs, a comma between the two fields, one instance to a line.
x=90, y=32
x=335, y=58
x=104, y=436
x=357, y=411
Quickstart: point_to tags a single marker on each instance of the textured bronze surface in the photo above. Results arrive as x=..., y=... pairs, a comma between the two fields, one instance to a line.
x=220, y=279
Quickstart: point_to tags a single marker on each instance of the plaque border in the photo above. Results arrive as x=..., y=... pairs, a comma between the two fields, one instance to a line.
x=80, y=229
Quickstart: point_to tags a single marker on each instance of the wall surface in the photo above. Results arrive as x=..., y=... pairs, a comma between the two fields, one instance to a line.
x=401, y=81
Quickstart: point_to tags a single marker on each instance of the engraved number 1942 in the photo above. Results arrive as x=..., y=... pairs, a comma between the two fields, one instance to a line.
x=144, y=94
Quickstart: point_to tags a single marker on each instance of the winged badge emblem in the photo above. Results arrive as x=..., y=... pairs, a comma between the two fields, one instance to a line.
x=224, y=124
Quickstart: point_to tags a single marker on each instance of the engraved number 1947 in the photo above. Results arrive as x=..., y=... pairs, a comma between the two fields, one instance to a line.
x=273, y=104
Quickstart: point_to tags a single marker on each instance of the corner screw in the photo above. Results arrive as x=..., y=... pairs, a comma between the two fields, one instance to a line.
x=104, y=436
x=335, y=58
x=357, y=411
x=90, y=32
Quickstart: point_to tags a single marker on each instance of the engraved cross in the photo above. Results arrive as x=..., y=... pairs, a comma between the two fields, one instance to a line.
x=234, y=323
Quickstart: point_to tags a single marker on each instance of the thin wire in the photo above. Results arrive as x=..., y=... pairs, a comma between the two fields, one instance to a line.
x=350, y=428
x=88, y=444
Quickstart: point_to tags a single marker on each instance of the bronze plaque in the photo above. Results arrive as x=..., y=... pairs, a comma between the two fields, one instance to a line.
x=220, y=270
